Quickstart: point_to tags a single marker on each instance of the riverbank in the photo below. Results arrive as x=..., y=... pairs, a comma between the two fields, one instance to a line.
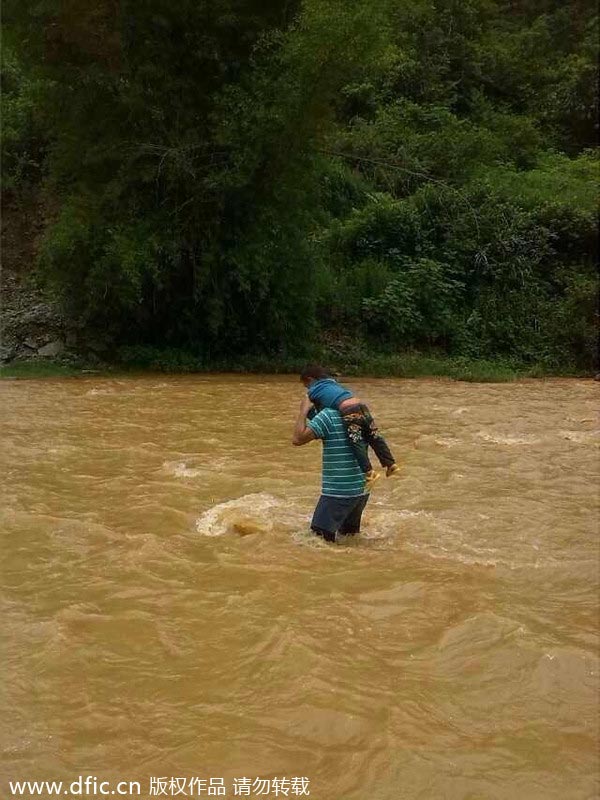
x=400, y=365
x=37, y=339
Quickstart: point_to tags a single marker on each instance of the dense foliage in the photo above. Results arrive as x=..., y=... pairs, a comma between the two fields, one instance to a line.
x=239, y=176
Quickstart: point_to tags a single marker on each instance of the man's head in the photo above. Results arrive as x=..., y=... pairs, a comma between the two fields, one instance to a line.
x=313, y=372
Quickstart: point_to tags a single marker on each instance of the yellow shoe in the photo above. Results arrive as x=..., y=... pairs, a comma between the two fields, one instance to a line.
x=392, y=470
x=371, y=477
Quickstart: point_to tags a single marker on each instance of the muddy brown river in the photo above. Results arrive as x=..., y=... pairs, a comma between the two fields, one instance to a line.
x=166, y=614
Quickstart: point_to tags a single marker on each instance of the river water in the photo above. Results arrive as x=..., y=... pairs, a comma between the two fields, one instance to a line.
x=166, y=614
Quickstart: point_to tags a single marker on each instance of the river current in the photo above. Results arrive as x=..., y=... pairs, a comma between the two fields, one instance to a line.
x=165, y=611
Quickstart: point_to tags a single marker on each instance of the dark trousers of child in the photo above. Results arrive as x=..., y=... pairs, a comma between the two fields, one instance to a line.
x=362, y=433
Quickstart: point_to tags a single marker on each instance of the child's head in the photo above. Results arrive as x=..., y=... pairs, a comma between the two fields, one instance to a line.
x=313, y=372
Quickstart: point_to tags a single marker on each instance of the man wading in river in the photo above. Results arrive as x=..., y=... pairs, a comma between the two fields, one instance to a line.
x=343, y=497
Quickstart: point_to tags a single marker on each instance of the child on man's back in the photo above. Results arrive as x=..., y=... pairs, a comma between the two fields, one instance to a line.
x=325, y=392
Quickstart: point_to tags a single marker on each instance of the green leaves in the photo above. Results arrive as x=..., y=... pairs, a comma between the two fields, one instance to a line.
x=23, y=135
x=243, y=175
x=419, y=304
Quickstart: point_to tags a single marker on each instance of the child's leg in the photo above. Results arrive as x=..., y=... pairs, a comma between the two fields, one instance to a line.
x=354, y=430
x=374, y=439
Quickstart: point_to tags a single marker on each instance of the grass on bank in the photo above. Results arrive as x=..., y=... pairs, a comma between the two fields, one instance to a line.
x=41, y=369
x=375, y=365
x=350, y=361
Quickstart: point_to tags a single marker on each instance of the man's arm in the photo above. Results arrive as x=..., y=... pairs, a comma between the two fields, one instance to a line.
x=303, y=434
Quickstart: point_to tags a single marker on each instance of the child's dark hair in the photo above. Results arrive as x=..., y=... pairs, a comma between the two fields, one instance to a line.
x=314, y=371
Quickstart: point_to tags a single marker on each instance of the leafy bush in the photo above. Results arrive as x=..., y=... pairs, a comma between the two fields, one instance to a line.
x=487, y=271
x=419, y=304
x=245, y=180
x=23, y=134
x=101, y=269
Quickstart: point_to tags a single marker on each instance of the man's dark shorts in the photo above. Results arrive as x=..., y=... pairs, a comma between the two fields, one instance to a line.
x=338, y=514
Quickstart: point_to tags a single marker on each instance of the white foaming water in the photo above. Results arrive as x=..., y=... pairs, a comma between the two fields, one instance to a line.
x=509, y=440
x=265, y=513
x=99, y=392
x=447, y=441
x=582, y=437
x=251, y=513
x=181, y=470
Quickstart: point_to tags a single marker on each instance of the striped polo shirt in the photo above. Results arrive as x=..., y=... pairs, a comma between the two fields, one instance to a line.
x=342, y=477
